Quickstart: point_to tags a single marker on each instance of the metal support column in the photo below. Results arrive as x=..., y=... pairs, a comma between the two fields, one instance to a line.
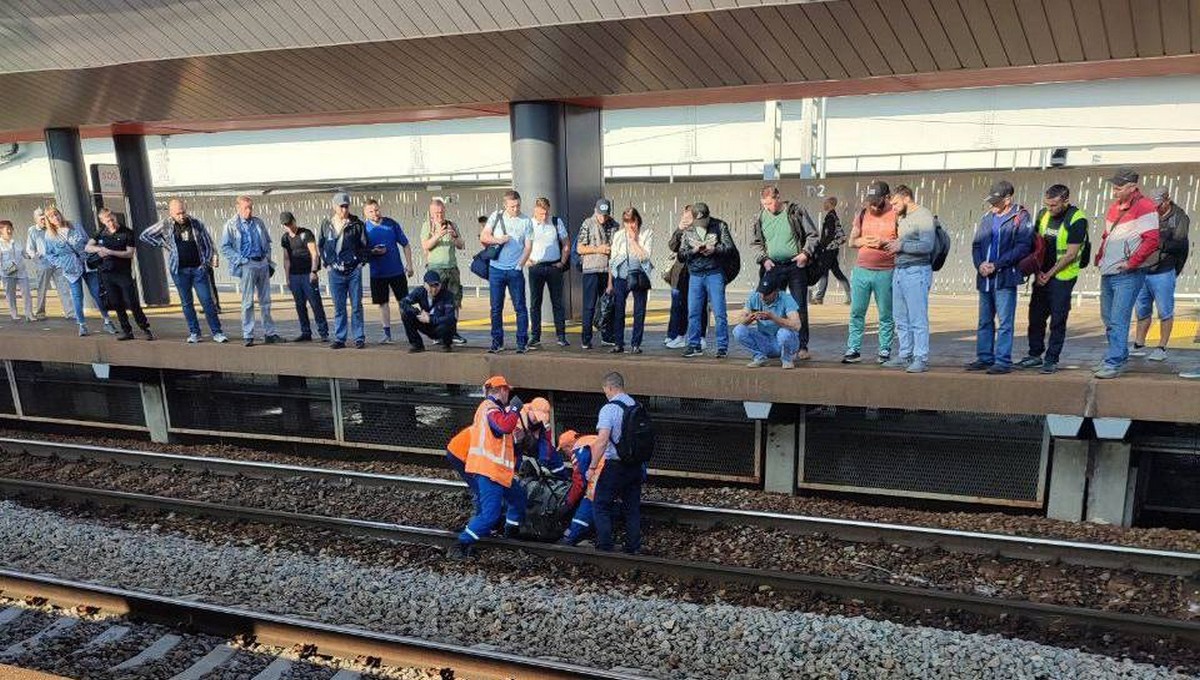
x=67, y=171
x=557, y=153
x=139, y=195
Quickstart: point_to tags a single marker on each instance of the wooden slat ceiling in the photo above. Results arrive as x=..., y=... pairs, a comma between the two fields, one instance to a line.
x=206, y=63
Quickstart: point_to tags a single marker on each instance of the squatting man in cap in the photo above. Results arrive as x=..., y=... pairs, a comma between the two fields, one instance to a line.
x=770, y=324
x=301, y=262
x=429, y=310
x=491, y=459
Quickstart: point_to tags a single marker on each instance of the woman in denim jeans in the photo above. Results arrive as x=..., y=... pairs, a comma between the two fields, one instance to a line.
x=65, y=243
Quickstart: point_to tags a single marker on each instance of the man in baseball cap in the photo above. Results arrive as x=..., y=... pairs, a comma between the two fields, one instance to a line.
x=300, y=265
x=873, y=228
x=341, y=198
x=1162, y=268
x=1001, y=192
x=594, y=245
x=1124, y=175
x=1003, y=238
x=429, y=310
x=770, y=324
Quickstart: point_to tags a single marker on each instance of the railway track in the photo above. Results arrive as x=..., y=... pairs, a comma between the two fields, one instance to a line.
x=240, y=627
x=1098, y=555
x=1045, y=616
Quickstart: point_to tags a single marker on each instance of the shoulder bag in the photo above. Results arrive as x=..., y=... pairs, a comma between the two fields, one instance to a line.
x=481, y=263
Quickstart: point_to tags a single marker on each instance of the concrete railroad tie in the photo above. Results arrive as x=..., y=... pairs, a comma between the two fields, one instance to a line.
x=54, y=630
x=155, y=651
x=207, y=663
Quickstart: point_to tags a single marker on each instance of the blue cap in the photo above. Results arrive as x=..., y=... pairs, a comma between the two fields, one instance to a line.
x=432, y=278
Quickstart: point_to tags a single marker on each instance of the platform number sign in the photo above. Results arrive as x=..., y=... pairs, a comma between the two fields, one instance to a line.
x=107, y=180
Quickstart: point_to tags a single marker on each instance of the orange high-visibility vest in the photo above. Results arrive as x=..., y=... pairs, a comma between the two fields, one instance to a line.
x=489, y=455
x=460, y=444
x=597, y=463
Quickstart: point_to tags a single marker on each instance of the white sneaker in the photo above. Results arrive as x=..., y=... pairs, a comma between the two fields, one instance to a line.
x=1135, y=351
x=1157, y=354
x=220, y=338
x=678, y=343
x=703, y=344
x=109, y=327
x=83, y=330
x=193, y=338
x=757, y=362
x=787, y=364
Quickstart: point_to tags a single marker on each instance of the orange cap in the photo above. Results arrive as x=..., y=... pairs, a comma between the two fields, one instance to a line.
x=567, y=439
x=496, y=381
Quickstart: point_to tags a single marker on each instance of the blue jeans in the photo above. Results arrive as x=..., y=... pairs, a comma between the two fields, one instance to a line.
x=307, y=294
x=343, y=285
x=593, y=286
x=187, y=280
x=619, y=481
x=92, y=281
x=784, y=343
x=994, y=347
x=512, y=280
x=495, y=499
x=1117, y=295
x=471, y=480
x=620, y=294
x=1158, y=290
x=707, y=287
x=910, y=309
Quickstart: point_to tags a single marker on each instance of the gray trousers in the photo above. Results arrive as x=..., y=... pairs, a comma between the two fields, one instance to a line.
x=256, y=283
x=44, y=277
x=11, y=283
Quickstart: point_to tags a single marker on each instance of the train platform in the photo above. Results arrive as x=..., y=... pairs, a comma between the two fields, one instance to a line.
x=1149, y=391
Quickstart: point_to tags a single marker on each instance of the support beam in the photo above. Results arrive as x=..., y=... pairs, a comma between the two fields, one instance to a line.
x=154, y=406
x=70, y=179
x=1068, y=479
x=557, y=153
x=139, y=195
x=1110, y=485
x=784, y=450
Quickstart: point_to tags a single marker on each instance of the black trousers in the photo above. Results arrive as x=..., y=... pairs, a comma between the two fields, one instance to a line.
x=1051, y=301
x=546, y=275
x=797, y=283
x=413, y=328
x=121, y=296
x=212, y=287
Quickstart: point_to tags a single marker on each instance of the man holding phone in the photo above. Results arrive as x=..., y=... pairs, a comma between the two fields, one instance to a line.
x=770, y=325
x=389, y=272
x=441, y=239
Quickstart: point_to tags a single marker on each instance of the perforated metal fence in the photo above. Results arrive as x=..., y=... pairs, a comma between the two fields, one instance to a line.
x=227, y=404
x=698, y=438
x=72, y=393
x=413, y=417
x=988, y=458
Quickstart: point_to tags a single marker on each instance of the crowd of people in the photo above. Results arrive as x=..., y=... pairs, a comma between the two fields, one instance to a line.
x=509, y=441
x=898, y=242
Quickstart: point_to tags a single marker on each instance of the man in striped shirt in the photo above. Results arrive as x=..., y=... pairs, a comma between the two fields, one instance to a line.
x=1130, y=237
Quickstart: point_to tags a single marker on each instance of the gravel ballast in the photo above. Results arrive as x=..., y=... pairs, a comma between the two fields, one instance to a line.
x=666, y=638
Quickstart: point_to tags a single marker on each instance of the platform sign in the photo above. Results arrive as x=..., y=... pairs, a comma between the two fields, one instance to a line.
x=106, y=180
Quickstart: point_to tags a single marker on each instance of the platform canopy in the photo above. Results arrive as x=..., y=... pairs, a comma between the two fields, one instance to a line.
x=201, y=65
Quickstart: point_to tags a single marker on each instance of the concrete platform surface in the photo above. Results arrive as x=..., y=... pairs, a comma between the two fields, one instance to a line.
x=1149, y=391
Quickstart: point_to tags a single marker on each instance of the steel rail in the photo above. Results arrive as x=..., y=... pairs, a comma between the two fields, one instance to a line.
x=288, y=632
x=916, y=600
x=1099, y=555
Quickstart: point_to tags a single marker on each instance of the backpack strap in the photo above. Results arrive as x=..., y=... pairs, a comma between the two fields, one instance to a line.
x=624, y=411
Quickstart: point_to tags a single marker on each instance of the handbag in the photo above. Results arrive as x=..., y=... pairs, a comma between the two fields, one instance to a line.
x=481, y=263
x=11, y=269
x=639, y=280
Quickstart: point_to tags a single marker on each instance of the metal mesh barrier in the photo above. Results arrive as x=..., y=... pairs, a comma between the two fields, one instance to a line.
x=72, y=392
x=228, y=404
x=986, y=458
x=414, y=417
x=1169, y=457
x=694, y=437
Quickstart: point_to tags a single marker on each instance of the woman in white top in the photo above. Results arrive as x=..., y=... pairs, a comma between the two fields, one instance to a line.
x=629, y=269
x=12, y=268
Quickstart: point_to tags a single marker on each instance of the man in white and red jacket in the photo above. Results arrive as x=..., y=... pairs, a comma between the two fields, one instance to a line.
x=1130, y=237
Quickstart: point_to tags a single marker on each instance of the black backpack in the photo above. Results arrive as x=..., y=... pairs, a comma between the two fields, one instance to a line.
x=636, y=444
x=941, y=246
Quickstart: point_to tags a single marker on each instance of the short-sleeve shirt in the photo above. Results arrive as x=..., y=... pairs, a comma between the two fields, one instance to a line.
x=296, y=247
x=120, y=239
x=783, y=305
x=612, y=417
x=186, y=246
x=390, y=235
x=442, y=255
x=885, y=227
x=1076, y=234
x=547, y=240
x=519, y=228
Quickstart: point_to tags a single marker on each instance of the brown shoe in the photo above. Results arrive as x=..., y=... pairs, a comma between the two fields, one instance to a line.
x=803, y=355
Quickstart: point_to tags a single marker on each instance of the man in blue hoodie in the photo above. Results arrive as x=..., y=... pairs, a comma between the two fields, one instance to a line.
x=1003, y=239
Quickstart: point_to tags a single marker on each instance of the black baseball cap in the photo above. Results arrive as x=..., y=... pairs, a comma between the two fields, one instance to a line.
x=770, y=283
x=433, y=278
x=878, y=189
x=700, y=215
x=286, y=217
x=1124, y=175
x=604, y=207
x=1000, y=191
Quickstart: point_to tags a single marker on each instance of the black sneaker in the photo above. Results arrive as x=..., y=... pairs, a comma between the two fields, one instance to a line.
x=693, y=351
x=586, y=345
x=249, y=342
x=562, y=342
x=303, y=337
x=126, y=335
x=851, y=358
x=883, y=357
x=325, y=338
x=978, y=365
x=149, y=334
x=522, y=350
x=997, y=369
x=359, y=344
x=273, y=339
x=617, y=350
x=721, y=354
x=337, y=344
x=459, y=340
x=495, y=350
x=1049, y=367
x=415, y=349
x=605, y=343
x=1030, y=362
x=635, y=350
x=534, y=345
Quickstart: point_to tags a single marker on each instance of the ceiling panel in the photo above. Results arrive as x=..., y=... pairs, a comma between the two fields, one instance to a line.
x=1118, y=25
x=950, y=15
x=1147, y=27
x=862, y=41
x=837, y=38
x=817, y=44
x=926, y=21
x=1035, y=25
x=1011, y=32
